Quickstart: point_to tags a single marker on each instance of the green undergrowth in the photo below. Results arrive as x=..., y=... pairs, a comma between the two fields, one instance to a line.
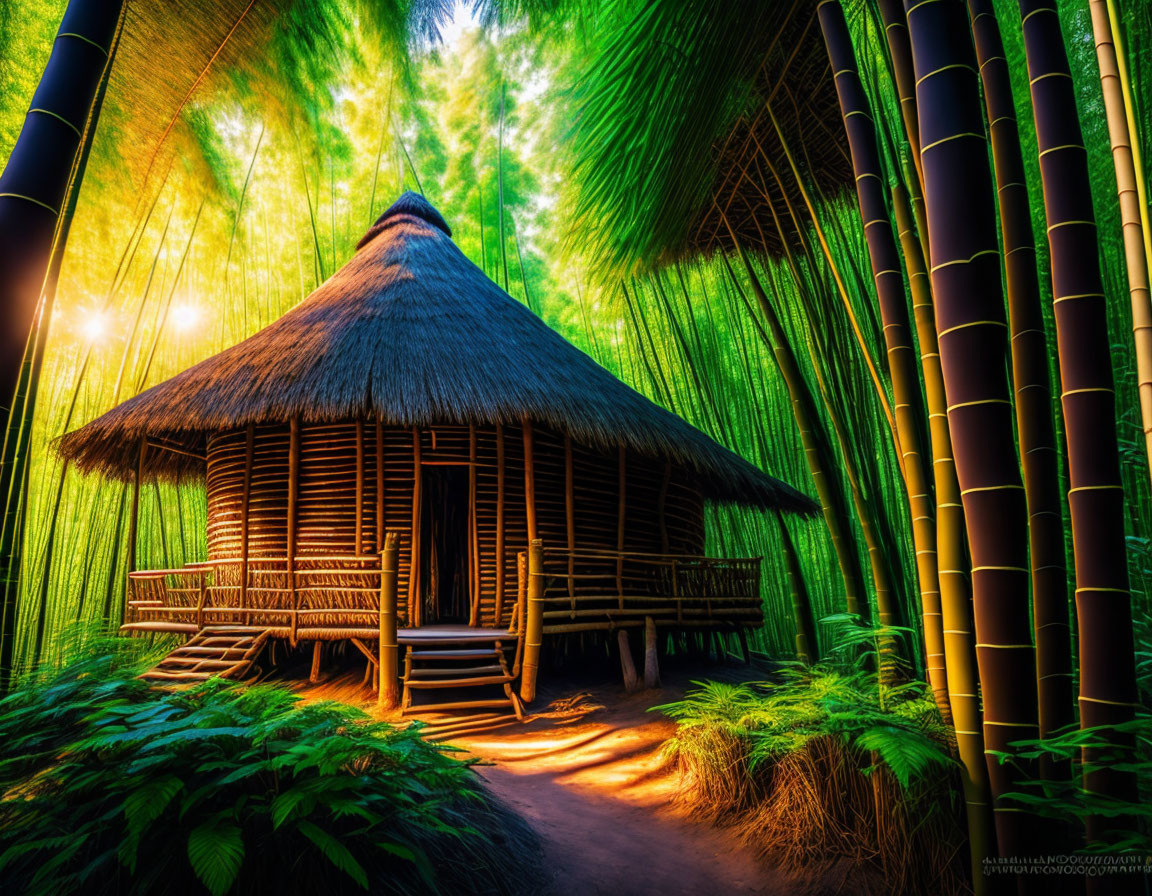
x=822, y=765
x=110, y=786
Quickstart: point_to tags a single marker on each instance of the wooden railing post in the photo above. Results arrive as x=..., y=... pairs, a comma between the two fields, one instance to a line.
x=519, y=611
x=202, y=599
x=534, y=627
x=389, y=694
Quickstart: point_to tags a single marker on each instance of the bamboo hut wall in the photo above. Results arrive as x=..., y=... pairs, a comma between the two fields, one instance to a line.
x=328, y=489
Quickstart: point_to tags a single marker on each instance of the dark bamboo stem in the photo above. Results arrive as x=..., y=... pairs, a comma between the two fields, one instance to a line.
x=971, y=329
x=901, y=355
x=1108, y=694
x=1039, y=453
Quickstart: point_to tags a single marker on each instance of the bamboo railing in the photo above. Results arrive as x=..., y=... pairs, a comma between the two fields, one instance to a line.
x=563, y=591
x=611, y=589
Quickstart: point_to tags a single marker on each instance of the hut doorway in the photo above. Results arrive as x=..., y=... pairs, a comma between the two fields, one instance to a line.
x=444, y=538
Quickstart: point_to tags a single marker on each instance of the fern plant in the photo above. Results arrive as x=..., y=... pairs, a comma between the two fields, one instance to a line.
x=110, y=785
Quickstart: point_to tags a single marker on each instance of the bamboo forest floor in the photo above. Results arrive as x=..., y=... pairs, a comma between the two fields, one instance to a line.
x=585, y=771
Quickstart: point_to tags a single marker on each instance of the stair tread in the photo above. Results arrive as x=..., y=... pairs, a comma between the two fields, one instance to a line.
x=472, y=682
x=471, y=670
x=453, y=654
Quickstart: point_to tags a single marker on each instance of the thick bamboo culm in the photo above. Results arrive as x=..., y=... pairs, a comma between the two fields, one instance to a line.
x=534, y=623
x=389, y=691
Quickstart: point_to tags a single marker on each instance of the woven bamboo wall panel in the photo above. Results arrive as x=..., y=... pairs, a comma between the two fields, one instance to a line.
x=341, y=511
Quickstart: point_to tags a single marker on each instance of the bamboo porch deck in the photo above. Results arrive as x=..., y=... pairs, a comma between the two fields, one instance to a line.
x=354, y=598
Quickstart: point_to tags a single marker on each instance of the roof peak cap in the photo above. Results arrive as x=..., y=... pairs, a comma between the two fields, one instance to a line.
x=413, y=205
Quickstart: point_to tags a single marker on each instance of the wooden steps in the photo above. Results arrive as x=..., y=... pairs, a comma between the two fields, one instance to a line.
x=441, y=664
x=214, y=652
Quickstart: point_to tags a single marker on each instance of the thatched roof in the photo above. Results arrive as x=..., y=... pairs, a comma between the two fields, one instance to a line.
x=411, y=332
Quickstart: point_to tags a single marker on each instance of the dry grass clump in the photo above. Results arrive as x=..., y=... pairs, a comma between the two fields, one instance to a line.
x=822, y=769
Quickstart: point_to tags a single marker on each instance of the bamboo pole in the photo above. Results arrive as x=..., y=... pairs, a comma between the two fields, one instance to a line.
x=951, y=552
x=414, y=609
x=972, y=335
x=380, y=480
x=500, y=477
x=389, y=692
x=627, y=665
x=134, y=519
x=1039, y=449
x=621, y=517
x=570, y=516
x=900, y=353
x=1118, y=113
x=473, y=534
x=290, y=536
x=245, y=501
x=534, y=627
x=359, y=487
x=530, y=483
x=651, y=655
x=1108, y=691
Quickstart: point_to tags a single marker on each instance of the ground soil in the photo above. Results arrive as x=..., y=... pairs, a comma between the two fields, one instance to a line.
x=585, y=770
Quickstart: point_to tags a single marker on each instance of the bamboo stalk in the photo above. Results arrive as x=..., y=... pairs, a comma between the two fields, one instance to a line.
x=534, y=627
x=621, y=516
x=415, y=613
x=389, y=693
x=1108, y=691
x=500, y=528
x=381, y=508
x=1118, y=112
x=293, y=522
x=530, y=483
x=473, y=536
x=249, y=451
x=359, y=538
x=1039, y=450
x=971, y=330
x=951, y=552
x=889, y=283
x=570, y=514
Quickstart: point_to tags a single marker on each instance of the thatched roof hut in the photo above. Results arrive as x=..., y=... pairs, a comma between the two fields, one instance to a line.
x=411, y=446
x=409, y=332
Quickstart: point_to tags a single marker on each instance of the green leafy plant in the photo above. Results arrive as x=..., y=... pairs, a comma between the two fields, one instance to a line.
x=828, y=761
x=110, y=785
x=1127, y=827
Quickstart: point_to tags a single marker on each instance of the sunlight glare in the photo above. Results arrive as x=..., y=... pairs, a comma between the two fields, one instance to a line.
x=94, y=326
x=185, y=317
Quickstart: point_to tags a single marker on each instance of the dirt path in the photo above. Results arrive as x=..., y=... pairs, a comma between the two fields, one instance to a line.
x=586, y=772
x=596, y=791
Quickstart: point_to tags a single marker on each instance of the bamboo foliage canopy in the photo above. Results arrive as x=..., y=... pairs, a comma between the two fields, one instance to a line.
x=411, y=333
